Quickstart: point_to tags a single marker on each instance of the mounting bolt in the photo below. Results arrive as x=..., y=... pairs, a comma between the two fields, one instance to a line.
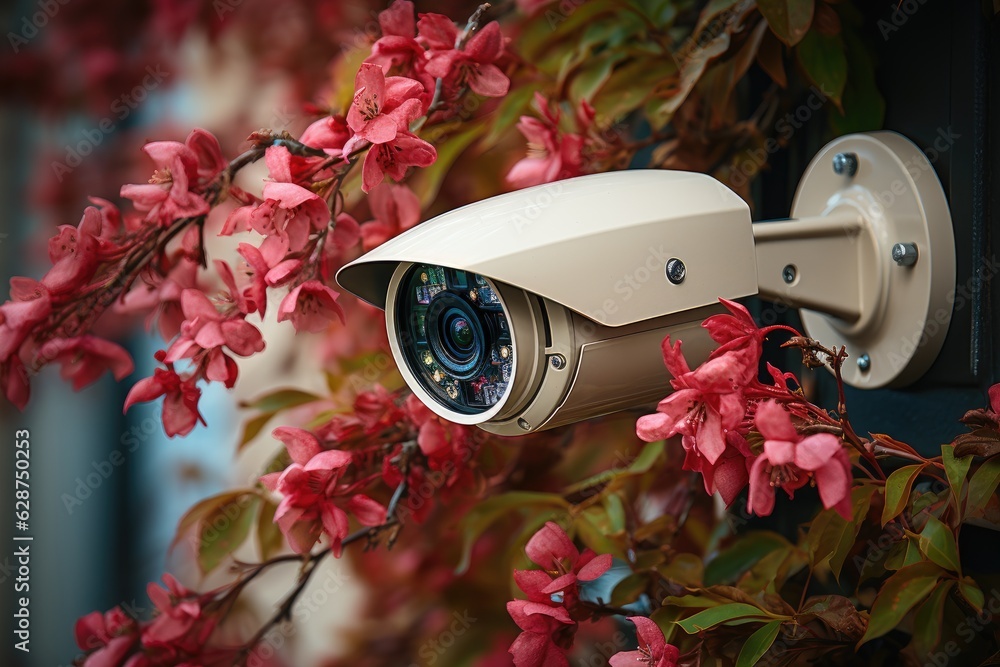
x=788, y=274
x=523, y=423
x=904, y=254
x=558, y=361
x=676, y=271
x=864, y=363
x=845, y=164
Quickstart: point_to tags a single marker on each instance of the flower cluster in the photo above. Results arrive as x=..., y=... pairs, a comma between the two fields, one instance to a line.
x=380, y=439
x=715, y=406
x=548, y=618
x=653, y=650
x=178, y=633
x=563, y=147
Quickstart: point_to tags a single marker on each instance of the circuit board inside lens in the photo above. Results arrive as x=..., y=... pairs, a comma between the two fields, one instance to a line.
x=456, y=337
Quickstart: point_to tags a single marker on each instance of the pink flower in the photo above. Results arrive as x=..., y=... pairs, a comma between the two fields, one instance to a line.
x=107, y=638
x=161, y=296
x=267, y=267
x=397, y=47
x=14, y=382
x=284, y=166
x=329, y=133
x=553, y=593
x=394, y=158
x=395, y=209
x=474, y=65
x=74, y=254
x=653, y=651
x=205, y=331
x=181, y=171
x=790, y=461
x=311, y=307
x=309, y=487
x=729, y=475
x=535, y=646
x=181, y=624
x=85, y=358
x=552, y=154
x=706, y=403
x=30, y=304
x=382, y=107
x=734, y=329
x=289, y=211
x=180, y=403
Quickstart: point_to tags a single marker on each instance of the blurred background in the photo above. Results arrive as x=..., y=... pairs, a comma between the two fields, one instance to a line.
x=86, y=83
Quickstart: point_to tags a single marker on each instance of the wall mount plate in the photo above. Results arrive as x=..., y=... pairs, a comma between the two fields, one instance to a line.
x=904, y=308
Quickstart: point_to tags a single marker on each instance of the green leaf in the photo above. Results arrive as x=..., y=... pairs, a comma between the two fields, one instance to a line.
x=483, y=515
x=426, y=182
x=280, y=400
x=642, y=463
x=632, y=84
x=861, y=498
x=928, y=621
x=723, y=614
x=897, y=491
x=789, y=19
x=253, y=427
x=982, y=486
x=742, y=554
x=224, y=529
x=592, y=526
x=514, y=105
x=956, y=469
x=937, y=542
x=758, y=643
x=972, y=593
x=616, y=512
x=824, y=61
x=269, y=537
x=629, y=589
x=864, y=107
x=194, y=515
x=898, y=595
x=686, y=569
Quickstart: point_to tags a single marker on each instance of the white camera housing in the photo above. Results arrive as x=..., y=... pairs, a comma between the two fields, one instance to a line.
x=581, y=269
x=571, y=287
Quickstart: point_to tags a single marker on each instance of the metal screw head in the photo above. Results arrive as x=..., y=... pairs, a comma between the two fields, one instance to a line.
x=558, y=361
x=788, y=274
x=864, y=363
x=523, y=423
x=676, y=271
x=845, y=164
x=904, y=254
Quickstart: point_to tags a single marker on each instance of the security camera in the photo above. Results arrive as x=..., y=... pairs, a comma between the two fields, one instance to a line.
x=548, y=305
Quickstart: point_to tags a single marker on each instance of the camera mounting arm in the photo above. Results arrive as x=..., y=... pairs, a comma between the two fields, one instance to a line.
x=869, y=257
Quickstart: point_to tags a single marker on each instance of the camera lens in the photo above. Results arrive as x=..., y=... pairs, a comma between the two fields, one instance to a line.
x=453, y=332
x=455, y=335
x=461, y=333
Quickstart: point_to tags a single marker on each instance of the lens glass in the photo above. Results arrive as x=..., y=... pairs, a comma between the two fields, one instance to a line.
x=454, y=333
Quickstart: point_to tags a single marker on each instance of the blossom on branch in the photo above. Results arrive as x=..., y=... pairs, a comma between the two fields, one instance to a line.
x=311, y=488
x=180, y=402
x=790, y=461
x=653, y=650
x=546, y=618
